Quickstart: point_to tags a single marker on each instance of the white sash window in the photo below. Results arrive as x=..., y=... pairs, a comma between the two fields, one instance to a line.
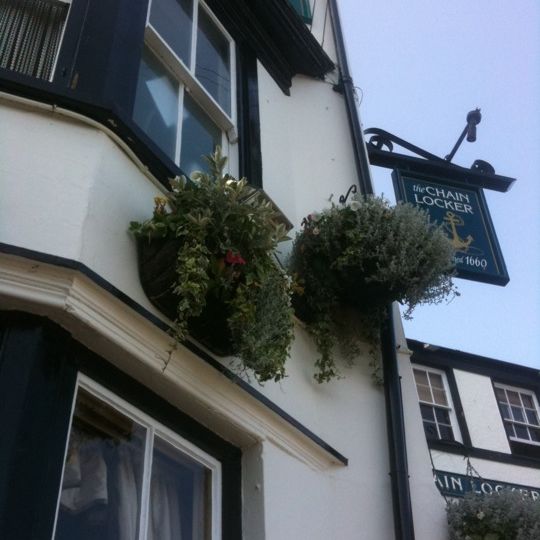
x=185, y=100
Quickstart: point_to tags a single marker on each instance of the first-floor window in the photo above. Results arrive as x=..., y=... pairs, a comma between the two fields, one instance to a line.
x=126, y=477
x=186, y=87
x=520, y=413
x=435, y=405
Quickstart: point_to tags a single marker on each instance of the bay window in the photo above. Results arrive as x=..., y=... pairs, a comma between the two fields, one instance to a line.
x=126, y=477
x=185, y=98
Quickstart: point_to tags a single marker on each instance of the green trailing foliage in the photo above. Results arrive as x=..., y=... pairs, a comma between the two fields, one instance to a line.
x=353, y=260
x=506, y=515
x=226, y=233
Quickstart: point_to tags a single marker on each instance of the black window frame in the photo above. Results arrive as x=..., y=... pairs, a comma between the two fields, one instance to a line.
x=518, y=448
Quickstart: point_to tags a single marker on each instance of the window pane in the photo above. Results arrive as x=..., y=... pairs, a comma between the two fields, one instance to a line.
x=436, y=380
x=420, y=377
x=200, y=136
x=213, y=61
x=101, y=487
x=505, y=411
x=427, y=412
x=446, y=433
x=156, y=104
x=513, y=397
x=431, y=430
x=535, y=434
x=439, y=396
x=532, y=417
x=509, y=429
x=517, y=413
x=173, y=19
x=423, y=393
x=179, y=496
x=501, y=396
x=527, y=401
x=521, y=432
x=442, y=416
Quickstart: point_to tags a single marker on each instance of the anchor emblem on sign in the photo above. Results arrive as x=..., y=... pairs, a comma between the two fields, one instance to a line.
x=452, y=221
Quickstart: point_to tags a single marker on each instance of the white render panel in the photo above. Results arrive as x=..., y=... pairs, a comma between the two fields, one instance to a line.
x=306, y=145
x=69, y=190
x=333, y=504
x=427, y=504
x=46, y=170
x=481, y=411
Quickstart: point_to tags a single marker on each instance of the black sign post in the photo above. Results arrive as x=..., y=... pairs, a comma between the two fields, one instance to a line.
x=462, y=212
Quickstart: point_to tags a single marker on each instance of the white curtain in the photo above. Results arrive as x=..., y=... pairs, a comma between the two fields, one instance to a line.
x=85, y=475
x=85, y=484
x=164, y=511
x=128, y=504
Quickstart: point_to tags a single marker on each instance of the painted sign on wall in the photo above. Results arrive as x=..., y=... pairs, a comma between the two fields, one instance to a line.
x=457, y=485
x=462, y=212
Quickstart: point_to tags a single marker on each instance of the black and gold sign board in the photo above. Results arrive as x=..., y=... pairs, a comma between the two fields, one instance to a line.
x=462, y=211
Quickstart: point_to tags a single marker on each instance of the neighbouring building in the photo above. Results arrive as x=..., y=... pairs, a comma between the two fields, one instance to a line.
x=105, y=432
x=481, y=419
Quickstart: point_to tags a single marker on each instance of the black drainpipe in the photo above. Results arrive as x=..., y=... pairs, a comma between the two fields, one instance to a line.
x=397, y=449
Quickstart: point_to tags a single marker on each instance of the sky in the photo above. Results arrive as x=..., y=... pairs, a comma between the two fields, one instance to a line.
x=419, y=67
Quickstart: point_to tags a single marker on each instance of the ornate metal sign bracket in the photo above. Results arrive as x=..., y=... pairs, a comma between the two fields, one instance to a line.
x=380, y=147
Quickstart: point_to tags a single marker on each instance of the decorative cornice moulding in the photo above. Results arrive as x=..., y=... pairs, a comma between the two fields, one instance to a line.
x=128, y=340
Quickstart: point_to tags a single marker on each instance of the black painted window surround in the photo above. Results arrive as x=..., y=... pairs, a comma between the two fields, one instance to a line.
x=97, y=71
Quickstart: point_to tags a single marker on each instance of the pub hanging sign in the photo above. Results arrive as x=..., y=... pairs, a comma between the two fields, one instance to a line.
x=462, y=212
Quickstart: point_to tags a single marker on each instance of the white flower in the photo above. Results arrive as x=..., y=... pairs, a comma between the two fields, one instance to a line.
x=354, y=205
x=480, y=515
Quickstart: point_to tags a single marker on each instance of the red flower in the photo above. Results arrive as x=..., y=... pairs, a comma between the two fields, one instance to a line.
x=231, y=258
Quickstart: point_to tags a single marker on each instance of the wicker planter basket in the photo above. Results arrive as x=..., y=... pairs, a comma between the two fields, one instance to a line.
x=157, y=272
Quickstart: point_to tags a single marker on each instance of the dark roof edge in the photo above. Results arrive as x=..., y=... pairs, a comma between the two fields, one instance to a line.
x=470, y=362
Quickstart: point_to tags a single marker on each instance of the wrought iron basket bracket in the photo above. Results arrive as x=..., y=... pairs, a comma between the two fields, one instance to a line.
x=343, y=198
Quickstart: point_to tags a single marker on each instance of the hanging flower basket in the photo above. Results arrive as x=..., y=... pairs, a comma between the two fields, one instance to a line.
x=353, y=261
x=158, y=277
x=206, y=261
x=503, y=515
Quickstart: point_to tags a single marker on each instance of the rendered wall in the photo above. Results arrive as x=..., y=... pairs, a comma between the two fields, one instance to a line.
x=70, y=190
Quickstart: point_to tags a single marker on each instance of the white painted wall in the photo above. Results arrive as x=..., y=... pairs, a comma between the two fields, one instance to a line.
x=69, y=189
x=481, y=411
x=427, y=503
x=306, y=145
